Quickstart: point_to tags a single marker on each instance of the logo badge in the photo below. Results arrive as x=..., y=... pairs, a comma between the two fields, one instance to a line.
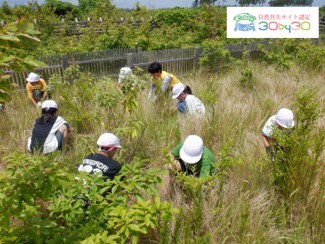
x=272, y=22
x=244, y=22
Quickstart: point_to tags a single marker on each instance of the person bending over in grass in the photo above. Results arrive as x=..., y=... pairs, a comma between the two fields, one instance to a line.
x=50, y=131
x=190, y=157
x=274, y=136
x=188, y=103
x=126, y=79
x=181, y=105
x=193, y=158
x=283, y=121
x=160, y=79
x=36, y=89
x=102, y=161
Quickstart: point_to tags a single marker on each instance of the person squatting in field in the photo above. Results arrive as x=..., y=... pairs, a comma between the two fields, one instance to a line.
x=282, y=121
x=276, y=127
x=193, y=158
x=36, y=89
x=192, y=106
x=126, y=79
x=50, y=131
x=102, y=161
x=160, y=79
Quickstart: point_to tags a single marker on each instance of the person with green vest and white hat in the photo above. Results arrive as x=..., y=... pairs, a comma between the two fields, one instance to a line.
x=193, y=158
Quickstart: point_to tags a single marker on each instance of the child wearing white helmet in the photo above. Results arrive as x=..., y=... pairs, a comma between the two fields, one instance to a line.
x=102, y=161
x=193, y=105
x=194, y=158
x=36, y=89
x=126, y=79
x=283, y=120
x=50, y=131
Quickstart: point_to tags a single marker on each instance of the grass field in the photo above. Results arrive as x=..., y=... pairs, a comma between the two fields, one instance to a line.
x=238, y=205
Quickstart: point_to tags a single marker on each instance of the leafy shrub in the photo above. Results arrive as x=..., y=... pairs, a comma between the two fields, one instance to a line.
x=246, y=79
x=310, y=57
x=298, y=157
x=176, y=17
x=286, y=53
x=44, y=200
x=215, y=56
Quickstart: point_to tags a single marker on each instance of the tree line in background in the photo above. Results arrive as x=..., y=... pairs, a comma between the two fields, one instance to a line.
x=174, y=28
x=273, y=3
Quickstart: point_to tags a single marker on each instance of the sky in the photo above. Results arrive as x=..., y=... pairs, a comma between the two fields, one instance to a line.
x=150, y=4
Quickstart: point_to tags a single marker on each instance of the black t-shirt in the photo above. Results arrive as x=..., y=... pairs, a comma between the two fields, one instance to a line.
x=94, y=163
x=40, y=132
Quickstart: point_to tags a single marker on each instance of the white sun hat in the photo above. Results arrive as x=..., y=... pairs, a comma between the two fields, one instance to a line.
x=108, y=140
x=192, y=149
x=177, y=90
x=32, y=77
x=49, y=104
x=284, y=118
x=124, y=73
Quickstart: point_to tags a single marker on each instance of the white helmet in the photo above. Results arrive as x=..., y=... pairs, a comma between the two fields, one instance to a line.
x=125, y=72
x=192, y=149
x=284, y=118
x=108, y=140
x=177, y=90
x=33, y=77
x=49, y=104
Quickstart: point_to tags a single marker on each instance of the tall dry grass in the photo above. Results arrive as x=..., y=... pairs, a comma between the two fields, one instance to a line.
x=242, y=206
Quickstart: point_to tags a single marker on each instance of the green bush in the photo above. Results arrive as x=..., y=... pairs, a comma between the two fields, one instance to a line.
x=215, y=56
x=298, y=154
x=246, y=79
x=284, y=54
x=43, y=200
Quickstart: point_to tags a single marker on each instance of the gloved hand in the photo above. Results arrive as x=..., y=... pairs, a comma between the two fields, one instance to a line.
x=270, y=152
x=39, y=105
x=175, y=165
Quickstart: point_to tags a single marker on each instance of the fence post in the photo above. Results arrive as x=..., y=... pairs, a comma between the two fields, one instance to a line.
x=65, y=61
x=198, y=53
x=139, y=51
x=130, y=60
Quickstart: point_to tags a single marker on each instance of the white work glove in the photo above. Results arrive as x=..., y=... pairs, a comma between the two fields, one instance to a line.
x=175, y=165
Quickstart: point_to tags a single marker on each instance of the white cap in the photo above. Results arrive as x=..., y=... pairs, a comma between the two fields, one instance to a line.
x=284, y=118
x=177, y=90
x=124, y=73
x=32, y=77
x=108, y=140
x=192, y=149
x=49, y=104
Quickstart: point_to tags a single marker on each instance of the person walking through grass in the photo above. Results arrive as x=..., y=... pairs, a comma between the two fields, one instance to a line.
x=160, y=79
x=36, y=89
x=193, y=105
x=50, y=131
x=103, y=161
